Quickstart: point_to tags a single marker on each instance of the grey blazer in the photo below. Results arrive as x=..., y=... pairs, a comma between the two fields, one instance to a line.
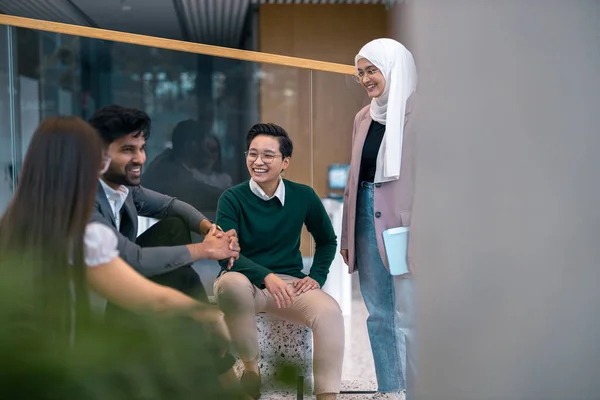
x=149, y=261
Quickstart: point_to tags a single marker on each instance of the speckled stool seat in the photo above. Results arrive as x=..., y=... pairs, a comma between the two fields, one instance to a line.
x=283, y=343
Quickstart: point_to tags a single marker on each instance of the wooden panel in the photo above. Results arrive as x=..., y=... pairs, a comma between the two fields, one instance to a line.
x=336, y=100
x=285, y=101
x=327, y=32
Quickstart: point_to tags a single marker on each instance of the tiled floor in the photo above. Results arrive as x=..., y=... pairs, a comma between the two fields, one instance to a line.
x=359, y=372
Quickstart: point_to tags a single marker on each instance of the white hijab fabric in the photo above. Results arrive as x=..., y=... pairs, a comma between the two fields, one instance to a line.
x=397, y=65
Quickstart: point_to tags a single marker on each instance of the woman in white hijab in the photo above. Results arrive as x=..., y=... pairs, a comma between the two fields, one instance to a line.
x=379, y=197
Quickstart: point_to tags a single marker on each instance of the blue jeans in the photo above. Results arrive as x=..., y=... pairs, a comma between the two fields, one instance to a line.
x=389, y=300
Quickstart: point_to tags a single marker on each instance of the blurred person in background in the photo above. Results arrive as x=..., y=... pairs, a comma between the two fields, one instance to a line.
x=379, y=196
x=51, y=253
x=212, y=172
x=192, y=170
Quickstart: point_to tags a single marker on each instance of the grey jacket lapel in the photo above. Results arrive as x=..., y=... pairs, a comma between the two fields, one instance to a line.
x=129, y=218
x=104, y=206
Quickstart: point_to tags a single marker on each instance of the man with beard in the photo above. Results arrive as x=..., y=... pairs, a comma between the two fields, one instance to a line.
x=164, y=253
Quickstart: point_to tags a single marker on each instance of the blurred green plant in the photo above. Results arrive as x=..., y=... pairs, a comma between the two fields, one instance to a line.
x=160, y=359
x=286, y=375
x=152, y=358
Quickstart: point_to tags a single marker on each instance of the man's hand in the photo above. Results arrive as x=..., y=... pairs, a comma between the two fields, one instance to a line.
x=220, y=246
x=205, y=226
x=344, y=253
x=305, y=284
x=282, y=293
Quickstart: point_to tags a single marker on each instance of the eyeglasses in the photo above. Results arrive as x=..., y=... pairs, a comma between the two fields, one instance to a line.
x=266, y=158
x=105, y=164
x=360, y=75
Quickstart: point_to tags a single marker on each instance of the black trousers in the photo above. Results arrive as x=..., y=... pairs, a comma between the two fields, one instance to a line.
x=174, y=232
x=167, y=232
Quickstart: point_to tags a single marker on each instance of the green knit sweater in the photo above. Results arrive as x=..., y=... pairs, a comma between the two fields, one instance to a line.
x=269, y=233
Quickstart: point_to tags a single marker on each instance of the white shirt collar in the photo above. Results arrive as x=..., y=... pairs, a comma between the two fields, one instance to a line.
x=116, y=199
x=279, y=192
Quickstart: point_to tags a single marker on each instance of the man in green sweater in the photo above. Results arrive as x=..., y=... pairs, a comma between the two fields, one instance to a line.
x=268, y=214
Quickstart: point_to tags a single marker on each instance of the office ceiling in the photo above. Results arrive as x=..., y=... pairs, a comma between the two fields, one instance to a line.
x=216, y=22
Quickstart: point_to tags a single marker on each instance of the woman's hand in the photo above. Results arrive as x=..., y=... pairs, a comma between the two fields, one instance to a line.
x=305, y=284
x=281, y=291
x=344, y=253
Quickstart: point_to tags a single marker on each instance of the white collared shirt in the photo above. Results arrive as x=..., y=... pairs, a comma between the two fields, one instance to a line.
x=116, y=199
x=279, y=192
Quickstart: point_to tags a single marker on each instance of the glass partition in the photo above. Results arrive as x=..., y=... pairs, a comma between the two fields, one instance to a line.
x=6, y=156
x=59, y=74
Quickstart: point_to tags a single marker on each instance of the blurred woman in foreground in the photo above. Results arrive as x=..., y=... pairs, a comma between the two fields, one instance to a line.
x=49, y=255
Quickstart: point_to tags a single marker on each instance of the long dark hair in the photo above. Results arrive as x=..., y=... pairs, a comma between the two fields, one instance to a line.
x=41, y=232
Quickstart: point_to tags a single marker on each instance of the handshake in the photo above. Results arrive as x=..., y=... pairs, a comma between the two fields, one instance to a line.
x=217, y=245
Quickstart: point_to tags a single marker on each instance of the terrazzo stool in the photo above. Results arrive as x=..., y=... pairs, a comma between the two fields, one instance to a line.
x=280, y=343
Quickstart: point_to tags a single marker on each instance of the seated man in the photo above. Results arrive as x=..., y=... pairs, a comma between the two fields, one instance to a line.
x=268, y=214
x=164, y=253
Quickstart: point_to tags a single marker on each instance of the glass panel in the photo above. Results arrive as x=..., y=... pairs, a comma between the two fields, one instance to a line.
x=62, y=74
x=6, y=162
x=59, y=79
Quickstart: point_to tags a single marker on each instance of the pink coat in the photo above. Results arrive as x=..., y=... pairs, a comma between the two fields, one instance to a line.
x=392, y=200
